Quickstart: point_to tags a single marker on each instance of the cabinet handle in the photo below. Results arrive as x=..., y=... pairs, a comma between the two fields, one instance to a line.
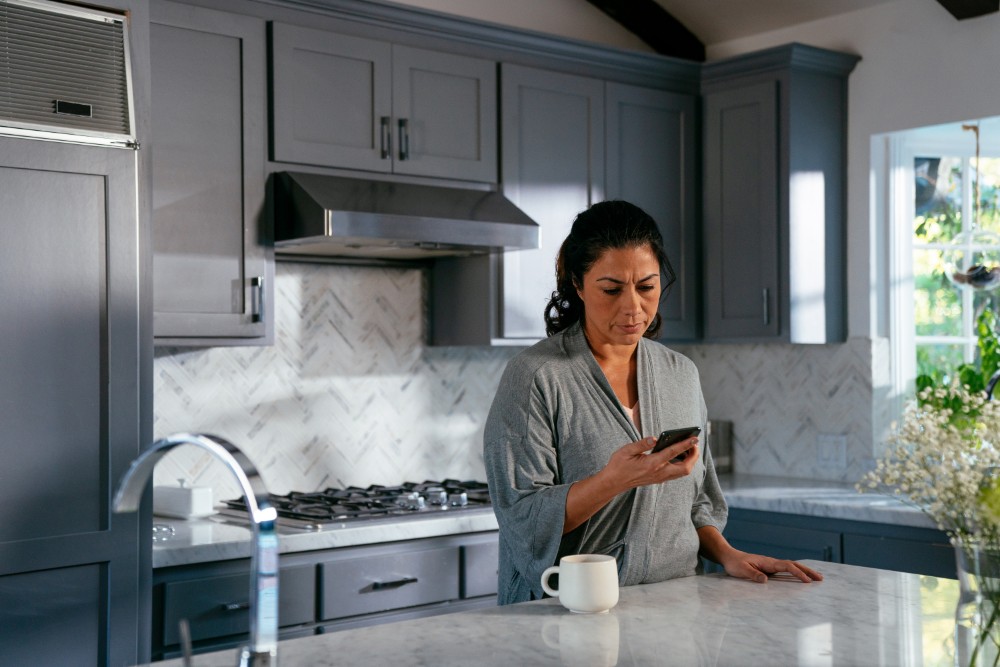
x=386, y=138
x=257, y=312
x=236, y=606
x=389, y=585
x=404, y=139
x=767, y=310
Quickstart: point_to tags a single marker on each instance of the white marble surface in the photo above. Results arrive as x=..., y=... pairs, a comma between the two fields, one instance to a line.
x=837, y=500
x=213, y=539
x=856, y=616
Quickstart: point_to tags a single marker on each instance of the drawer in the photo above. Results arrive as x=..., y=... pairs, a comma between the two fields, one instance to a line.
x=480, y=563
x=217, y=606
x=389, y=581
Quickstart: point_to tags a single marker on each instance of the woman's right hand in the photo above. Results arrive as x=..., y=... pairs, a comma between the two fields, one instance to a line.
x=630, y=466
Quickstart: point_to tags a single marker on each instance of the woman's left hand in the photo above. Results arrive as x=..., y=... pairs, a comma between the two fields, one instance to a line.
x=757, y=568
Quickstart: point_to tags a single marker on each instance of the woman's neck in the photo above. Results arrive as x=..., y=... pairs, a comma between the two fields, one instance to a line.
x=619, y=365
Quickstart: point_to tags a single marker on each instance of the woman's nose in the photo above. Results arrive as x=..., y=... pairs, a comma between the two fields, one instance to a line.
x=634, y=301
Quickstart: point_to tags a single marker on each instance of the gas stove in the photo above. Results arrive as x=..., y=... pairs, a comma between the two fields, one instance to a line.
x=319, y=510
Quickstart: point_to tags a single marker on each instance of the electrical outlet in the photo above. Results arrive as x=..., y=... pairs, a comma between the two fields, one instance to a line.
x=831, y=451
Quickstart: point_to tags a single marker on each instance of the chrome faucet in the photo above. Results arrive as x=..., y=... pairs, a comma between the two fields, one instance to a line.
x=263, y=648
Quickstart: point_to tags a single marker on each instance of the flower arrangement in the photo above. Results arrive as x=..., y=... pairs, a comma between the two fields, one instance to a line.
x=944, y=458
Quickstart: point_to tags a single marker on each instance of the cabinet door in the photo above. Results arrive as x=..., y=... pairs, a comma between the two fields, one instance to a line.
x=332, y=99
x=741, y=213
x=651, y=163
x=210, y=265
x=445, y=115
x=70, y=570
x=780, y=541
x=553, y=168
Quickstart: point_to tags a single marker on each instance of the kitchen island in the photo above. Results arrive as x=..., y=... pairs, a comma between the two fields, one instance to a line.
x=856, y=616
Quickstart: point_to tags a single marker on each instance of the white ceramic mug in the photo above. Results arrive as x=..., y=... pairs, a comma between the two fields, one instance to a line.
x=588, y=583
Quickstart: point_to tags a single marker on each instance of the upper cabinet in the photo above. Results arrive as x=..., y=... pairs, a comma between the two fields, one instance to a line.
x=212, y=263
x=569, y=141
x=652, y=141
x=357, y=103
x=553, y=168
x=774, y=195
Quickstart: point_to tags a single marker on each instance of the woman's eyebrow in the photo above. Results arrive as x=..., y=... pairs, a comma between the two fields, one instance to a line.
x=622, y=282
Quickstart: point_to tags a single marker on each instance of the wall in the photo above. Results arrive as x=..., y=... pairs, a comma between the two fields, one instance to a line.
x=347, y=395
x=573, y=19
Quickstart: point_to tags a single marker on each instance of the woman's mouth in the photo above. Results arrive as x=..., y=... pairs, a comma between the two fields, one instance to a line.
x=638, y=327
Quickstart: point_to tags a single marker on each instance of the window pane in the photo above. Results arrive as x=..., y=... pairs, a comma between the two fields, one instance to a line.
x=982, y=300
x=989, y=192
x=937, y=306
x=939, y=360
x=938, y=199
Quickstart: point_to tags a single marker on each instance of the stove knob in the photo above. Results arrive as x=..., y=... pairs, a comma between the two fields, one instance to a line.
x=437, y=497
x=458, y=499
x=411, y=501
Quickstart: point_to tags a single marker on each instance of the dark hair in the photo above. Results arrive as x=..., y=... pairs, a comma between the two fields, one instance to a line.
x=604, y=226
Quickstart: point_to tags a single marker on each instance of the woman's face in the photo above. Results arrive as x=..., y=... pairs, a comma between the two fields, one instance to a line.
x=620, y=293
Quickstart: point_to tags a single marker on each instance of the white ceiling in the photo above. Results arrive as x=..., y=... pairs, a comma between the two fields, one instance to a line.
x=715, y=21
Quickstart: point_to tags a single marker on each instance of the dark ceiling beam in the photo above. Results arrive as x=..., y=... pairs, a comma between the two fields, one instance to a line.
x=967, y=9
x=656, y=27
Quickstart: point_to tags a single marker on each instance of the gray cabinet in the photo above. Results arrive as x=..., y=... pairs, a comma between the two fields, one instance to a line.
x=357, y=103
x=212, y=258
x=552, y=129
x=891, y=547
x=326, y=590
x=652, y=141
x=567, y=142
x=774, y=173
x=71, y=572
x=553, y=168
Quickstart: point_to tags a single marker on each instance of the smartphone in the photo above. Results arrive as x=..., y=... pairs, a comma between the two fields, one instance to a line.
x=674, y=436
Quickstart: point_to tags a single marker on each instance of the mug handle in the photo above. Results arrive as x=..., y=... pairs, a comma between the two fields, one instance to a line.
x=549, y=571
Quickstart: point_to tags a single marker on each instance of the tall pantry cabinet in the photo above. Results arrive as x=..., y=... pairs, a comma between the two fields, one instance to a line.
x=71, y=571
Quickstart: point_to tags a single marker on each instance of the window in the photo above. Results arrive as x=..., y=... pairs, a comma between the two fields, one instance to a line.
x=945, y=246
x=924, y=193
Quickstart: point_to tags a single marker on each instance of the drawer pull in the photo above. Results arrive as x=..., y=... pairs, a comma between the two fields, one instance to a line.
x=390, y=585
x=236, y=606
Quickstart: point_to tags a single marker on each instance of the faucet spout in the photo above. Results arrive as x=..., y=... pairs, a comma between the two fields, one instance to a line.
x=263, y=648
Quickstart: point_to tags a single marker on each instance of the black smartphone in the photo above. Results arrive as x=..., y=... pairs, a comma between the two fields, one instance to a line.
x=673, y=436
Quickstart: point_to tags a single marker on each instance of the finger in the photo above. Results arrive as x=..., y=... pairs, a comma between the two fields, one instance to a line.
x=797, y=570
x=688, y=449
x=804, y=573
x=643, y=445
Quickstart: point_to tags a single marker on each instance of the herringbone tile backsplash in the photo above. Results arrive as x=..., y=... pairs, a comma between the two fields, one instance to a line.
x=350, y=394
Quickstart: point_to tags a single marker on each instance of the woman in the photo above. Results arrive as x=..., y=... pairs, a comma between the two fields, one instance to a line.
x=560, y=479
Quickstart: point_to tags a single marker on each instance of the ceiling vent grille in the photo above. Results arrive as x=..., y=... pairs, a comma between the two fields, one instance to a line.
x=64, y=73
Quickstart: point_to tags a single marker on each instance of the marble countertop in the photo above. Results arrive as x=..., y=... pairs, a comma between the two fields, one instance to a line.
x=809, y=497
x=182, y=542
x=856, y=616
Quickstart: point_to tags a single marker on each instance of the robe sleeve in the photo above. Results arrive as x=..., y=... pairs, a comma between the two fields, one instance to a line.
x=710, y=507
x=528, y=497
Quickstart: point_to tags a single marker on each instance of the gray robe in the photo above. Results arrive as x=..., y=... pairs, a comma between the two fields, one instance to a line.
x=555, y=420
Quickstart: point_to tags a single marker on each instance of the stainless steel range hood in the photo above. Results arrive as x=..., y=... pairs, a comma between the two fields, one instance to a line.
x=332, y=216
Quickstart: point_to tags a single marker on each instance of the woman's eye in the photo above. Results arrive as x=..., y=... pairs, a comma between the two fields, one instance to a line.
x=615, y=291
x=646, y=288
